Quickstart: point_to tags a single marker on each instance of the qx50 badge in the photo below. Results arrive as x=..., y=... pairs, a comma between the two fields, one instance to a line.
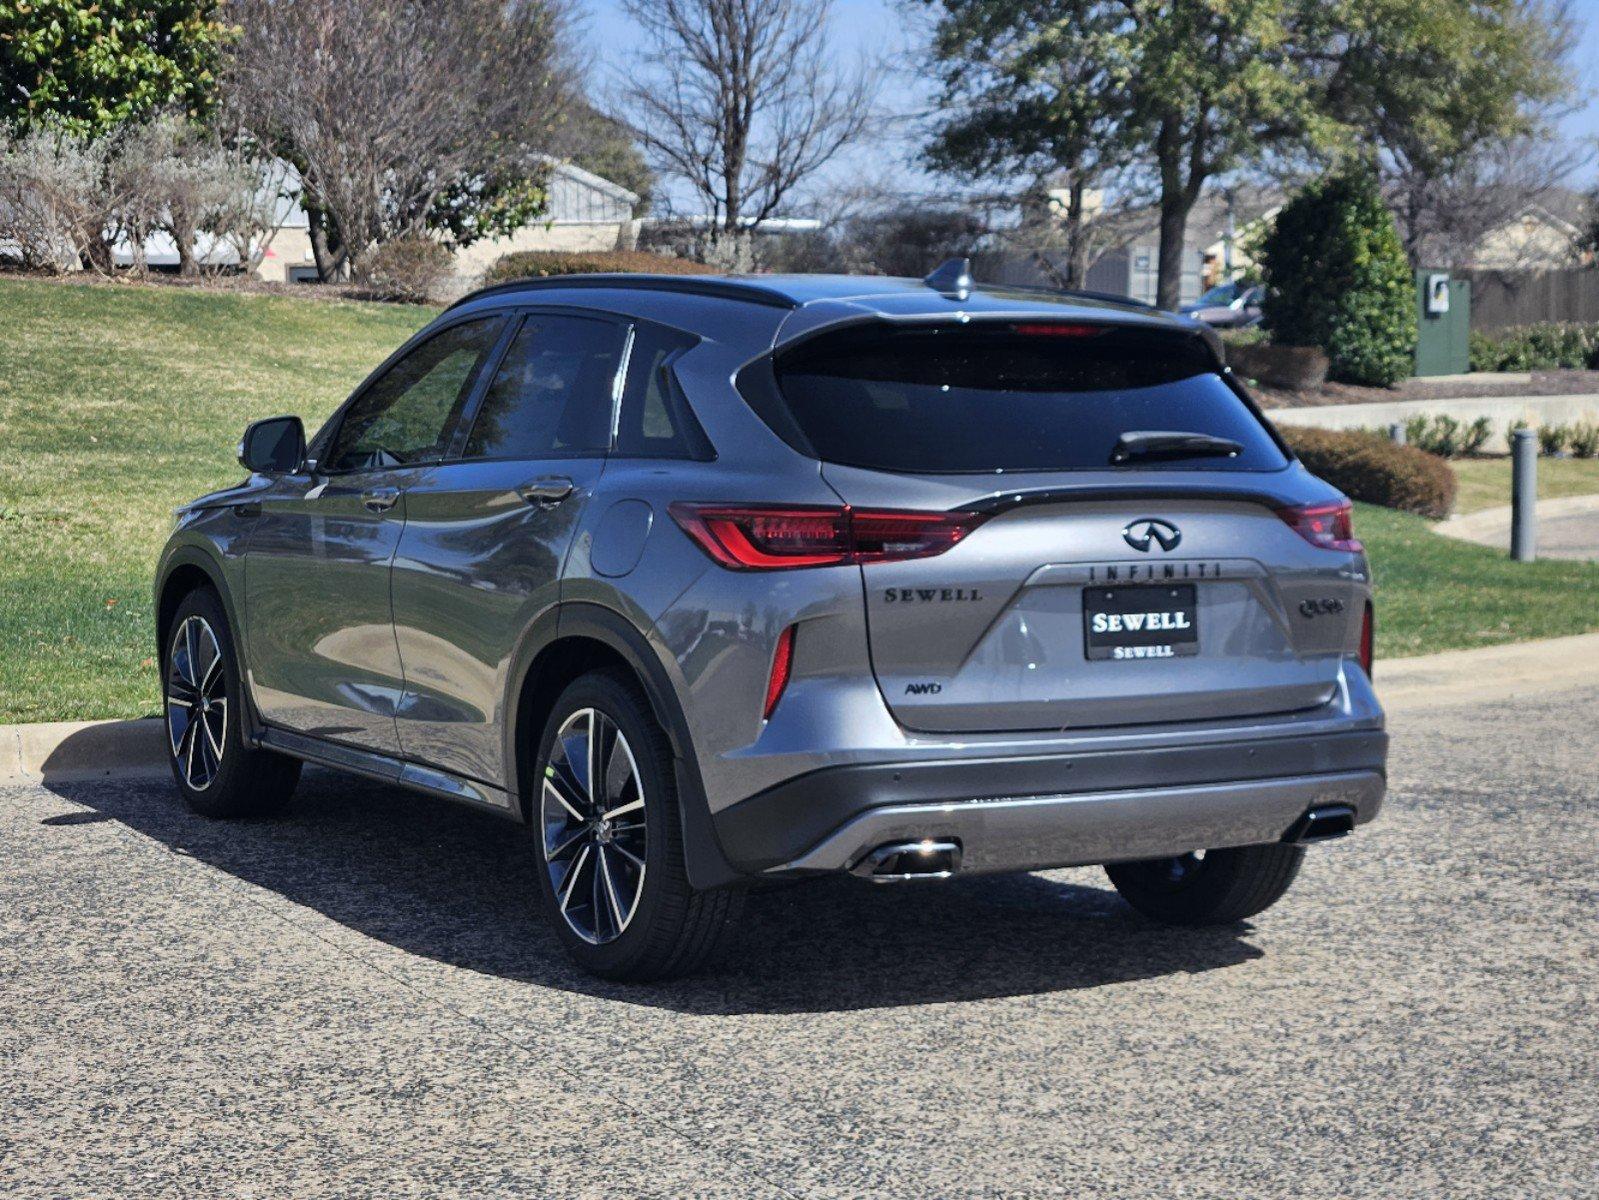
x=1140, y=534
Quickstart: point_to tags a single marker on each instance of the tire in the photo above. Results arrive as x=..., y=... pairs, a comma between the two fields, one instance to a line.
x=615, y=889
x=217, y=772
x=1220, y=887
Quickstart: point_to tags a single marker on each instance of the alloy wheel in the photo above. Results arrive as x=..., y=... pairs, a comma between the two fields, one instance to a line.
x=196, y=702
x=591, y=809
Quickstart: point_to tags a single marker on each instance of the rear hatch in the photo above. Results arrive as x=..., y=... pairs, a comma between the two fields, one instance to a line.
x=1123, y=562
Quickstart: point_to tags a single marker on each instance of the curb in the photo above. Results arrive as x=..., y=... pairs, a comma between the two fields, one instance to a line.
x=66, y=751
x=78, y=750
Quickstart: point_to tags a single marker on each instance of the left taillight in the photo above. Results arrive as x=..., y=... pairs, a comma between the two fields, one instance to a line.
x=1328, y=526
x=750, y=537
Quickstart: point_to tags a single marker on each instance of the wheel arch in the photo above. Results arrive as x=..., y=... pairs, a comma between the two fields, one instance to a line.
x=571, y=641
x=185, y=570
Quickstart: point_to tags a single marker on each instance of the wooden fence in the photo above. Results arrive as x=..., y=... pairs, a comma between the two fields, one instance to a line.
x=1501, y=298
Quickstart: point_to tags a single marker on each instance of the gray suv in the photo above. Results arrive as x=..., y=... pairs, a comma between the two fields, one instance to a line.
x=713, y=581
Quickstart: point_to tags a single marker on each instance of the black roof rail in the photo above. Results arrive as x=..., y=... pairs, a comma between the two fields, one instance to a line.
x=692, y=285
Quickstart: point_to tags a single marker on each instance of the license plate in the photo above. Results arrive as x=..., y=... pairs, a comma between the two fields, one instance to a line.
x=1160, y=621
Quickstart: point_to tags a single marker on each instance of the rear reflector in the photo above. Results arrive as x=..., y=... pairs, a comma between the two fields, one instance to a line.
x=746, y=537
x=782, y=664
x=1368, y=641
x=1328, y=526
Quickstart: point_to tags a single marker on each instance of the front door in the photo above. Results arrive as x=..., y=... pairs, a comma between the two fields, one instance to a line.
x=319, y=623
x=486, y=536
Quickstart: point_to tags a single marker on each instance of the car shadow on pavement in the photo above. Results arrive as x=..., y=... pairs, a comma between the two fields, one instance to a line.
x=452, y=885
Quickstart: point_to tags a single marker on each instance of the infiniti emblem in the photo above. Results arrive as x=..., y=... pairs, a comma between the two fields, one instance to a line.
x=1141, y=533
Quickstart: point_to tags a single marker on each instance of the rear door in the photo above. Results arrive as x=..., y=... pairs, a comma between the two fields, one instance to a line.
x=1121, y=576
x=487, y=534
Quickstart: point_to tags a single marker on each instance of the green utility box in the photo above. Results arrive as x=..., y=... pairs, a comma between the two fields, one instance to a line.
x=1443, y=336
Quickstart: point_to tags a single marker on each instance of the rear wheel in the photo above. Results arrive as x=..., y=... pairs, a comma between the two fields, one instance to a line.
x=1208, y=887
x=217, y=772
x=609, y=854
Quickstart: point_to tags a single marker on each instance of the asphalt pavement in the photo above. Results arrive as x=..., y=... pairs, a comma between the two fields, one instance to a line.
x=354, y=1001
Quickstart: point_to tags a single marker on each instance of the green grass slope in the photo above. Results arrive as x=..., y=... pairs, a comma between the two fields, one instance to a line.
x=116, y=404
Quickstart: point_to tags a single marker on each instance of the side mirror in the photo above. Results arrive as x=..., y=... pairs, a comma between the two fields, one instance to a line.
x=275, y=446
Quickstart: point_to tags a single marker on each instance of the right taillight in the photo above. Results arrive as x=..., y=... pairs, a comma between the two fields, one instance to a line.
x=1328, y=526
x=1368, y=641
x=753, y=537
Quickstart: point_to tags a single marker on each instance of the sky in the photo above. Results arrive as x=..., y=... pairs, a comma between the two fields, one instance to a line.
x=887, y=33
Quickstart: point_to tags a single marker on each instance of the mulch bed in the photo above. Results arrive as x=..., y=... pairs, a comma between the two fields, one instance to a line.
x=1544, y=383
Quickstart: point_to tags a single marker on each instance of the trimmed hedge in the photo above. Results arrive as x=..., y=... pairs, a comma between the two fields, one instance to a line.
x=525, y=264
x=1549, y=346
x=1337, y=277
x=1372, y=469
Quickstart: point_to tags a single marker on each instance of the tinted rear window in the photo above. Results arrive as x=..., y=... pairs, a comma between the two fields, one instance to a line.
x=968, y=399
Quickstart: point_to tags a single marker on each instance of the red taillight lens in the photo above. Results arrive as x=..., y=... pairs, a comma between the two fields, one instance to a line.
x=782, y=664
x=1368, y=641
x=1329, y=526
x=756, y=538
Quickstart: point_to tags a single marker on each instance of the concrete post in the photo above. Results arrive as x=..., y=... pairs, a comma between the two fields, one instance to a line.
x=1396, y=433
x=1524, y=495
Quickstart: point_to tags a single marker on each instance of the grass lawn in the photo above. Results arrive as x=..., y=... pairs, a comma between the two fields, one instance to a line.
x=119, y=402
x=1437, y=593
x=1485, y=482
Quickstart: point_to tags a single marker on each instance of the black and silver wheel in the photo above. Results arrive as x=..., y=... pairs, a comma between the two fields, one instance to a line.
x=217, y=772
x=610, y=841
x=596, y=840
x=196, y=702
x=1208, y=887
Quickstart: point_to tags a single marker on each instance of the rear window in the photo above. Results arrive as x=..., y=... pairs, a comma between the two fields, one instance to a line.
x=1012, y=398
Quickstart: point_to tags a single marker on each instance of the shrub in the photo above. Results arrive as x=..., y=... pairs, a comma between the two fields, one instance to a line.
x=1294, y=368
x=411, y=269
x=1585, y=439
x=1372, y=469
x=525, y=264
x=1446, y=436
x=1552, y=439
x=1337, y=277
x=1549, y=346
x=1253, y=335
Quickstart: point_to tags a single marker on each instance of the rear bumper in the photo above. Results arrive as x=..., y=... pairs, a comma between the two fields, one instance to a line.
x=1056, y=811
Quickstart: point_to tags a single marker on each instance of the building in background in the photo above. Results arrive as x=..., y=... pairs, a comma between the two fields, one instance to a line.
x=585, y=212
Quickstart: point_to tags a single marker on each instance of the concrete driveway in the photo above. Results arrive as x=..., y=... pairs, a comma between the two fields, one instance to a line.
x=352, y=1002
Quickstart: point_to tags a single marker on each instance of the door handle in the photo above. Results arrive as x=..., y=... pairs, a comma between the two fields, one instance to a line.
x=380, y=499
x=546, y=491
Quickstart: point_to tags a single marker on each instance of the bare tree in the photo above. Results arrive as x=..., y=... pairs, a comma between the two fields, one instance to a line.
x=384, y=109
x=740, y=100
x=1444, y=216
x=1065, y=228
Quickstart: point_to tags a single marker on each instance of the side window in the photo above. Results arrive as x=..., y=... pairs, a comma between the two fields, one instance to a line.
x=656, y=421
x=551, y=397
x=407, y=414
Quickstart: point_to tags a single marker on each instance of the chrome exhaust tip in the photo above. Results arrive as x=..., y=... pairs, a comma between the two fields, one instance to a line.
x=897, y=862
x=1322, y=824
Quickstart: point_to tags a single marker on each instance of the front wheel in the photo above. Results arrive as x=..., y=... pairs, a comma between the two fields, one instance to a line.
x=1209, y=887
x=609, y=846
x=218, y=772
